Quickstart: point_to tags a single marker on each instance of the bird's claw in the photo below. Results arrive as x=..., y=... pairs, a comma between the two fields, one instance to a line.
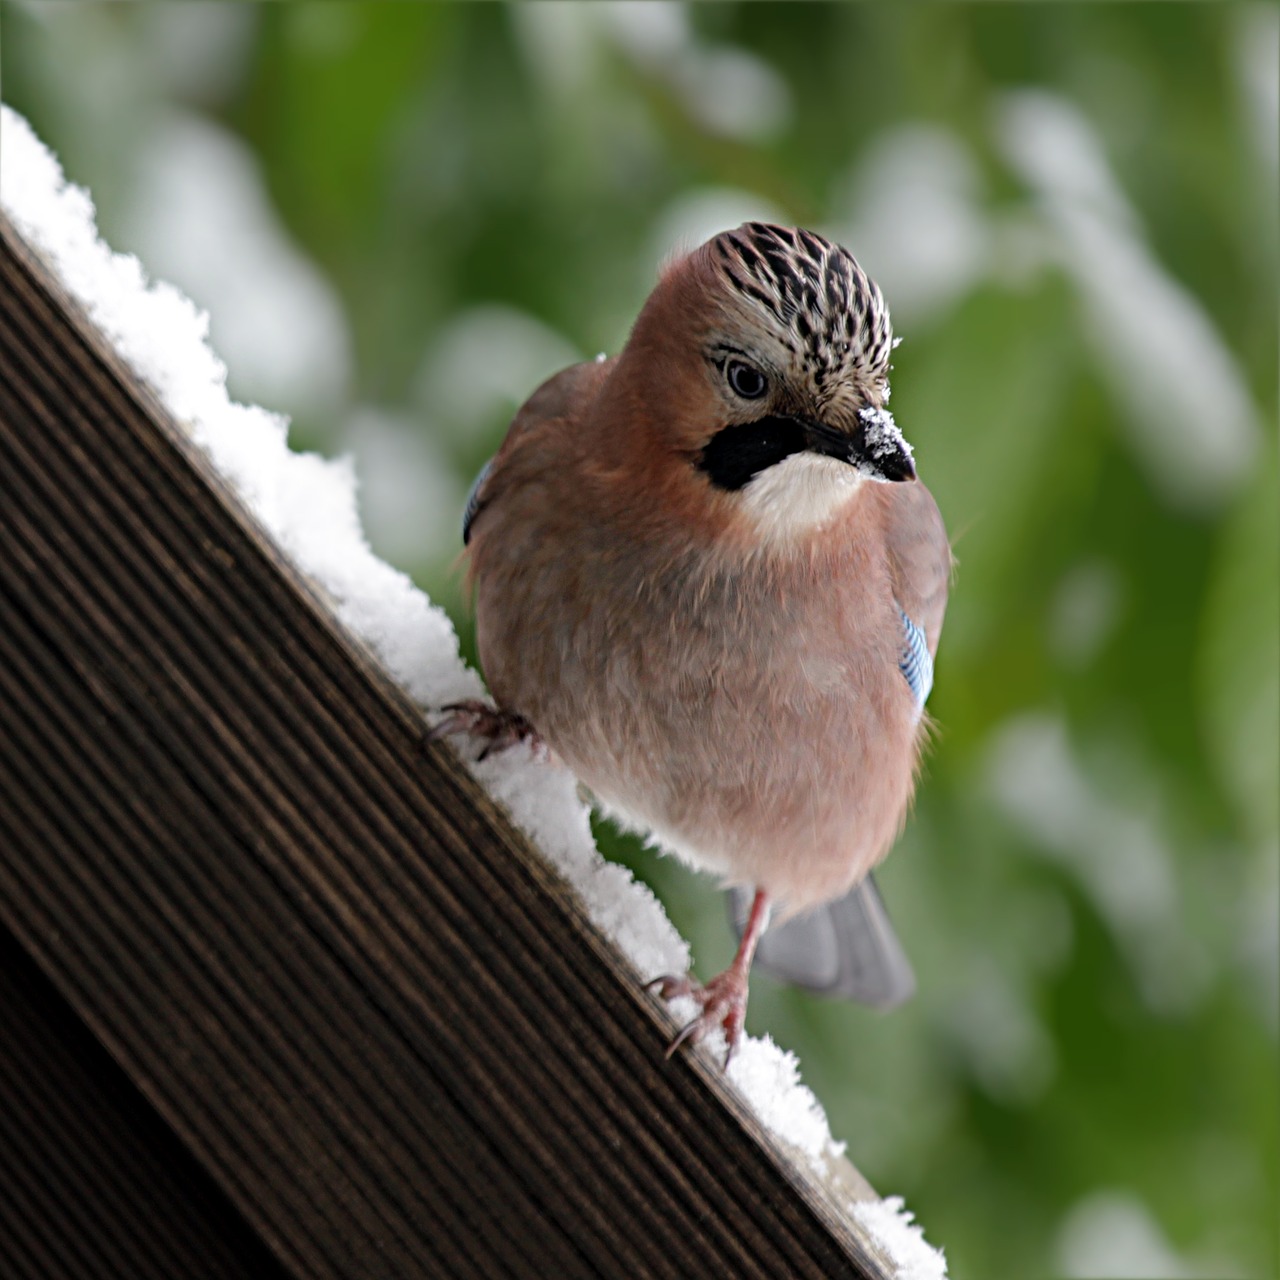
x=723, y=1002
x=671, y=985
x=501, y=729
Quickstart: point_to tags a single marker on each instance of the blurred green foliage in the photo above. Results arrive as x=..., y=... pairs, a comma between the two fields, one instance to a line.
x=1072, y=212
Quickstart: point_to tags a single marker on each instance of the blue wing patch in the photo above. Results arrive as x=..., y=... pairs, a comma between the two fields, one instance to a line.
x=914, y=661
x=473, y=502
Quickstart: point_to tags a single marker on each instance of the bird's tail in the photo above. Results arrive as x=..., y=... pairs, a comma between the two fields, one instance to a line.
x=846, y=949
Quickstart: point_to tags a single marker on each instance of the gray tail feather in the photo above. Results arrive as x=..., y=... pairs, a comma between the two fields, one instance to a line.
x=847, y=949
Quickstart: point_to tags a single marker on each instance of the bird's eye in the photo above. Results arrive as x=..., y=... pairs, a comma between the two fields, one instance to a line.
x=746, y=380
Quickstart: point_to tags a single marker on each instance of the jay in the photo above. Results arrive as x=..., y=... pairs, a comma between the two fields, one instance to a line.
x=707, y=578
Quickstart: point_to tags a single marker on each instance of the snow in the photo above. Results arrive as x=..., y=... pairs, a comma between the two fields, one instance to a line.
x=724, y=89
x=1115, y=845
x=308, y=504
x=914, y=212
x=1112, y=1234
x=482, y=366
x=881, y=432
x=1190, y=415
x=892, y=1226
x=199, y=214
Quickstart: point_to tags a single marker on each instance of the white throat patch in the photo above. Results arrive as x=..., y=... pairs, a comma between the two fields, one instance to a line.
x=800, y=493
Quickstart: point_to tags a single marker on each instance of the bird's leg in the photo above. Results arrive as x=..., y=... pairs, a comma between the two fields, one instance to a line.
x=500, y=727
x=724, y=999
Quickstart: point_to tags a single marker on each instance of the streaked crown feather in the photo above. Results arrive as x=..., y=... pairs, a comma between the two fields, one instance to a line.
x=814, y=297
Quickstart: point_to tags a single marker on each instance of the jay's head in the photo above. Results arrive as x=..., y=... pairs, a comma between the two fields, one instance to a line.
x=762, y=359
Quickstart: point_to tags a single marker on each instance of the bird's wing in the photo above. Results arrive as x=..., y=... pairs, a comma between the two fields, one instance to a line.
x=919, y=557
x=846, y=949
x=559, y=396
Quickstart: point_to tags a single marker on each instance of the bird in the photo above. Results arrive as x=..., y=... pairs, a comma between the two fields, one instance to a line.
x=708, y=579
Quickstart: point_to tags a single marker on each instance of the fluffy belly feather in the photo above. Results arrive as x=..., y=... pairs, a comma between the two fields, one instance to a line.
x=725, y=729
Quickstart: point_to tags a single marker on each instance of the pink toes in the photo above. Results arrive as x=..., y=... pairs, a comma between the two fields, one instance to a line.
x=723, y=1001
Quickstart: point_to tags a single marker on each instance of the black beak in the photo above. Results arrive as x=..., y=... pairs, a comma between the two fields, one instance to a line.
x=875, y=447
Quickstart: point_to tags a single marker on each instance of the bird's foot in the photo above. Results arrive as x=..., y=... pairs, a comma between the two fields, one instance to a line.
x=723, y=1002
x=500, y=728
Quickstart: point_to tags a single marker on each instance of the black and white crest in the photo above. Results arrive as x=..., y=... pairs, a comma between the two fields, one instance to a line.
x=822, y=305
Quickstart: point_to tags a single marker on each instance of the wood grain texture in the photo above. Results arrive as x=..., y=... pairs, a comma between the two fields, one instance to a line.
x=377, y=1020
x=69, y=1116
